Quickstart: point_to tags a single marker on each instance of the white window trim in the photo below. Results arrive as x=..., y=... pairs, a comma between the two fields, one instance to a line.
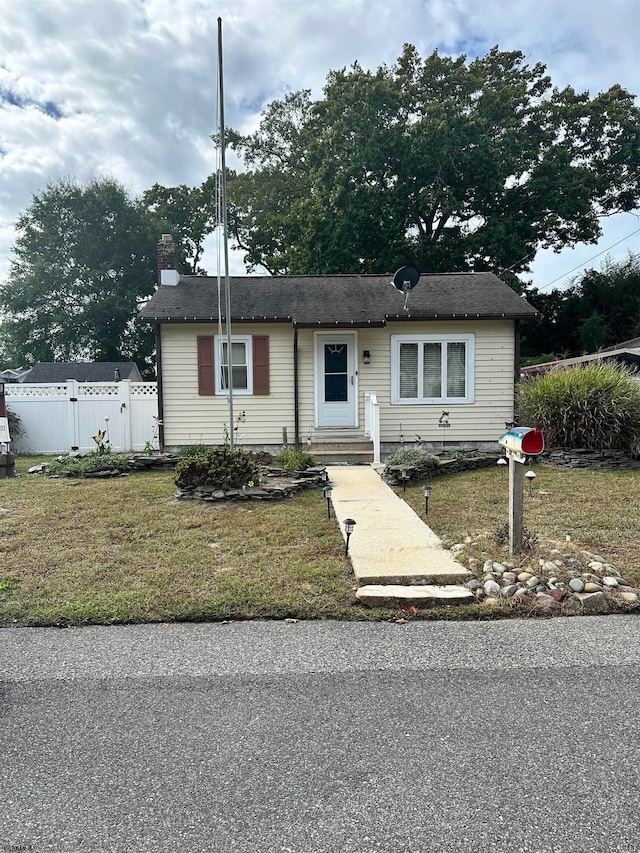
x=247, y=340
x=469, y=340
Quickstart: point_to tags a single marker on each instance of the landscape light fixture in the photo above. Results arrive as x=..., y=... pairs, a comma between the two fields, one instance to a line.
x=530, y=475
x=366, y=357
x=327, y=496
x=502, y=462
x=404, y=476
x=426, y=491
x=349, y=524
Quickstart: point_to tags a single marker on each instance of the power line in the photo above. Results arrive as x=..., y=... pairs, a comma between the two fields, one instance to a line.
x=584, y=263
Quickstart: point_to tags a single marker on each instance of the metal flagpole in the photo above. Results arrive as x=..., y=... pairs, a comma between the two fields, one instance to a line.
x=225, y=233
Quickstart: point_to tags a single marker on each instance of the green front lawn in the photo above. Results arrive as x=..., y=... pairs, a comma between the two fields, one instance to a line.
x=124, y=550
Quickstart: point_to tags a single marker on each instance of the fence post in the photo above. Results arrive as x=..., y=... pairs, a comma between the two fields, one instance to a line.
x=124, y=387
x=74, y=424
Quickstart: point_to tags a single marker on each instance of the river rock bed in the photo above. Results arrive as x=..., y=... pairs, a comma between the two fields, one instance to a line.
x=568, y=580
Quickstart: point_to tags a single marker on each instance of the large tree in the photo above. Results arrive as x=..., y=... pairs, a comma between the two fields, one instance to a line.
x=189, y=214
x=450, y=164
x=600, y=308
x=83, y=262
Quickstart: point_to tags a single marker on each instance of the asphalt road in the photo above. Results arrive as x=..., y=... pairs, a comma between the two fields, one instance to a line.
x=322, y=737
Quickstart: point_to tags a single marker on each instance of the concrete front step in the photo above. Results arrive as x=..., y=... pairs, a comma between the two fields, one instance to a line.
x=335, y=457
x=425, y=595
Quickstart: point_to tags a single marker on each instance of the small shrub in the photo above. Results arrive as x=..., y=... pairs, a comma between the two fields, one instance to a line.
x=190, y=450
x=261, y=457
x=595, y=407
x=16, y=428
x=219, y=467
x=293, y=460
x=94, y=461
x=425, y=464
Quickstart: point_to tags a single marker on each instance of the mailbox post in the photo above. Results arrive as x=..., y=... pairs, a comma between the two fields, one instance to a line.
x=519, y=443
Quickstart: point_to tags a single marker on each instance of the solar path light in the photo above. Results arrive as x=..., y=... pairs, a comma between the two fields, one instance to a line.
x=327, y=491
x=426, y=491
x=530, y=475
x=349, y=524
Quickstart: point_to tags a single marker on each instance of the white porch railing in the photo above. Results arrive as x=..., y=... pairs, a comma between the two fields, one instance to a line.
x=372, y=423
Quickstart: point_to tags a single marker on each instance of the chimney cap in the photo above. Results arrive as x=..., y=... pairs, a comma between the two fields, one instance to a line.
x=167, y=238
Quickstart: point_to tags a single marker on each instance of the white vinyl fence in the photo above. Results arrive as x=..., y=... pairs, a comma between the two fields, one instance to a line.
x=62, y=417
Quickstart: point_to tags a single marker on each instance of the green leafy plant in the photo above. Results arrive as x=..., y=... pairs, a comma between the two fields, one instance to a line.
x=102, y=442
x=149, y=449
x=423, y=464
x=190, y=450
x=293, y=460
x=595, y=407
x=219, y=467
x=72, y=466
x=16, y=427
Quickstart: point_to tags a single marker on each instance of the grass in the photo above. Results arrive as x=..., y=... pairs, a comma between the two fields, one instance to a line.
x=599, y=510
x=124, y=550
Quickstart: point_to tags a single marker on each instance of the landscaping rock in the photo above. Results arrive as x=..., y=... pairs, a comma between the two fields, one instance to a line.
x=609, y=581
x=532, y=582
x=630, y=597
x=510, y=577
x=524, y=576
x=576, y=584
x=491, y=587
x=473, y=584
x=557, y=594
x=508, y=591
x=592, y=587
x=573, y=605
x=593, y=602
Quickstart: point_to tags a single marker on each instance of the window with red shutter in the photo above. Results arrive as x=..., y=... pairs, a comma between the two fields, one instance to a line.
x=206, y=366
x=260, y=364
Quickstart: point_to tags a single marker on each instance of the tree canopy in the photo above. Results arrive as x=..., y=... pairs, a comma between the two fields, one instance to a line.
x=449, y=164
x=601, y=308
x=189, y=214
x=83, y=261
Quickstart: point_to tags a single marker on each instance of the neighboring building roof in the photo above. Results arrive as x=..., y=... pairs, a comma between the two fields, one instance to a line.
x=94, y=371
x=11, y=375
x=338, y=300
x=627, y=352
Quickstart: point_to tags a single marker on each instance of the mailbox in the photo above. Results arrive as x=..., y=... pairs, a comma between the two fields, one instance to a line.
x=523, y=441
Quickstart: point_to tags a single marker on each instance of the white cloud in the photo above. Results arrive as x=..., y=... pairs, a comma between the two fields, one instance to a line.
x=135, y=80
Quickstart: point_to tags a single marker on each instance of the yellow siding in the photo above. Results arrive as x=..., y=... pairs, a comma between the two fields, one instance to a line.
x=481, y=421
x=189, y=418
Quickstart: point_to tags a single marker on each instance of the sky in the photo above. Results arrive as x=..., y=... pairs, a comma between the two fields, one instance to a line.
x=127, y=88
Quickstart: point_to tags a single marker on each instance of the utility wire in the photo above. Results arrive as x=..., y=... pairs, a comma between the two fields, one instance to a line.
x=584, y=263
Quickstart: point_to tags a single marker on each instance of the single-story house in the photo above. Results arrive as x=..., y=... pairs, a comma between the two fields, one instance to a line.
x=55, y=372
x=628, y=352
x=309, y=353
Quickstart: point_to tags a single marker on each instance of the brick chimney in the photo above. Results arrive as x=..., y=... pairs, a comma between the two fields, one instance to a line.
x=167, y=261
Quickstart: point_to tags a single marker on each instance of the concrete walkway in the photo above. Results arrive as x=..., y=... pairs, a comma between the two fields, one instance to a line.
x=391, y=545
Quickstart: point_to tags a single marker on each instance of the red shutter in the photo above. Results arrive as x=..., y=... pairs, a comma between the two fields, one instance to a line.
x=260, y=364
x=206, y=374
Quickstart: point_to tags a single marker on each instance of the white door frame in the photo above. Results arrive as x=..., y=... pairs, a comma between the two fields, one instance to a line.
x=351, y=339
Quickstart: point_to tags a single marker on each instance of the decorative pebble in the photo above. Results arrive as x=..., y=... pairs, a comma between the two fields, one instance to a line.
x=630, y=597
x=510, y=577
x=488, y=565
x=532, y=582
x=520, y=593
x=491, y=587
x=576, y=584
x=547, y=566
x=609, y=581
x=598, y=559
x=524, y=576
x=499, y=568
x=473, y=584
x=557, y=594
x=592, y=587
x=508, y=591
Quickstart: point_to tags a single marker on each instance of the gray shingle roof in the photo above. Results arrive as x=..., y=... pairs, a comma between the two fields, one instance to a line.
x=358, y=300
x=95, y=371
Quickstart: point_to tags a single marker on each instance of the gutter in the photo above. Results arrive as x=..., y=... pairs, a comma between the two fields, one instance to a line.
x=158, y=332
x=296, y=393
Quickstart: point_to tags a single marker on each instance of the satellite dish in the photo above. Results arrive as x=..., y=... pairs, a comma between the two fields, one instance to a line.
x=404, y=280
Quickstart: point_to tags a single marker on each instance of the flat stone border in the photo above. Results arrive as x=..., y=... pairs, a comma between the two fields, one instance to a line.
x=597, y=460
